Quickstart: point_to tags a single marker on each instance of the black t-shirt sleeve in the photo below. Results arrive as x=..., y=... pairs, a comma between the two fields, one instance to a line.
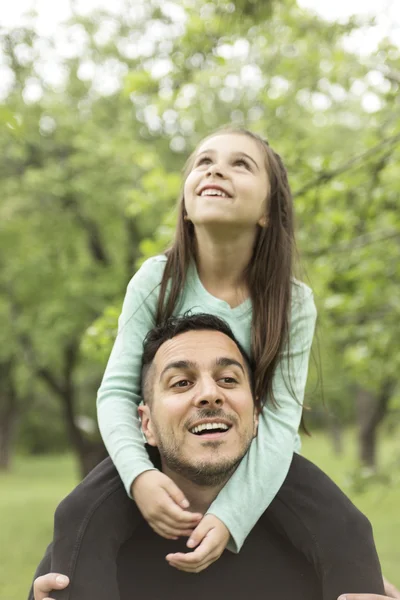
x=323, y=524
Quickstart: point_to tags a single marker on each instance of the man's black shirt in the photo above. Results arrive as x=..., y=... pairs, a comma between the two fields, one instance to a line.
x=311, y=542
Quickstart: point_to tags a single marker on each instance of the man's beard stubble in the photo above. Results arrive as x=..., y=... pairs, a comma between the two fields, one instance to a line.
x=203, y=473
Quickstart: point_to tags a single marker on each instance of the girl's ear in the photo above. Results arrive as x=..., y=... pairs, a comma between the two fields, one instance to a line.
x=147, y=424
x=263, y=221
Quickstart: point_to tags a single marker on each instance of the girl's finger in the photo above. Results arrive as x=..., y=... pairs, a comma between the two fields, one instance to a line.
x=205, y=552
x=176, y=493
x=166, y=522
x=180, y=516
x=191, y=568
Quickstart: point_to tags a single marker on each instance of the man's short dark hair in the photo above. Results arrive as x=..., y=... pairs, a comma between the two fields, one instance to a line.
x=174, y=326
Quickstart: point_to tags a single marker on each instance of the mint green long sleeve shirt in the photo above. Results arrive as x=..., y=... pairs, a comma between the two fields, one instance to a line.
x=262, y=471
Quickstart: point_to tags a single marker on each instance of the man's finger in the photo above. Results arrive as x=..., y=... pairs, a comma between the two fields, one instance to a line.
x=390, y=589
x=46, y=583
x=362, y=597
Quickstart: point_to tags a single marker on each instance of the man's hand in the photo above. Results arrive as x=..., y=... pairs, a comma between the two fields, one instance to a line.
x=364, y=597
x=44, y=585
x=390, y=590
x=163, y=505
x=211, y=537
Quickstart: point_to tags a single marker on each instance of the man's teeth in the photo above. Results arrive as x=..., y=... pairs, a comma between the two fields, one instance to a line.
x=209, y=426
x=213, y=192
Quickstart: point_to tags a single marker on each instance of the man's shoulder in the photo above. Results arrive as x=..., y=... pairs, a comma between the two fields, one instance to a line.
x=101, y=486
x=312, y=498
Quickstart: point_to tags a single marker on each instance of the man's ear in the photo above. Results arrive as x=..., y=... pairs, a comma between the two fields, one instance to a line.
x=147, y=424
x=255, y=422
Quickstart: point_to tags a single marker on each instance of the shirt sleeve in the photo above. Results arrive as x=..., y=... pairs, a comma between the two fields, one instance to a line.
x=120, y=391
x=262, y=471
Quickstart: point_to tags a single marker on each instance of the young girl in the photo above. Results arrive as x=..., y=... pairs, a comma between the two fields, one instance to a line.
x=233, y=257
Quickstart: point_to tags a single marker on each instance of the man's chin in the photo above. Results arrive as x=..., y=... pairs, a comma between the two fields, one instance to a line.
x=208, y=470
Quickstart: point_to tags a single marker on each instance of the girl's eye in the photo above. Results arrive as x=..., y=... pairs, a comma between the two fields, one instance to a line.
x=182, y=383
x=228, y=380
x=202, y=161
x=241, y=161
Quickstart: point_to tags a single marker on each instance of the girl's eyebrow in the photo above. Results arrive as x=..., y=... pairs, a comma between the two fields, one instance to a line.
x=233, y=154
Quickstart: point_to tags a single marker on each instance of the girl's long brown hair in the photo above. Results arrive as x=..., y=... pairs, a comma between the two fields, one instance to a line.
x=268, y=276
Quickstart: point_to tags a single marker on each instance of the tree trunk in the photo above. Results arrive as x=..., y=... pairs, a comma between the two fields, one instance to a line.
x=8, y=421
x=8, y=414
x=371, y=409
x=89, y=452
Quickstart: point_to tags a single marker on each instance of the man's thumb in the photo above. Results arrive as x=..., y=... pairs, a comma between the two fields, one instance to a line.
x=46, y=583
x=176, y=494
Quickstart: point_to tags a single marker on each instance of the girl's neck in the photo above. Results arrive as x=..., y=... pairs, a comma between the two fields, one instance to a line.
x=221, y=263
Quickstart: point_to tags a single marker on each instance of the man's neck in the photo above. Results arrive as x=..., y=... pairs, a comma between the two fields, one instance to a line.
x=200, y=497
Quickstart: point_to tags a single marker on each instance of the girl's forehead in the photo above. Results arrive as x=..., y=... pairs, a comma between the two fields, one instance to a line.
x=231, y=142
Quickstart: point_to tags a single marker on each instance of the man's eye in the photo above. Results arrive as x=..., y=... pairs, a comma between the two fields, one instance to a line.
x=182, y=383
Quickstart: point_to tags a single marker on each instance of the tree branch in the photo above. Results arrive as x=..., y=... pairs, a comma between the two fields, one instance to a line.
x=326, y=176
x=360, y=241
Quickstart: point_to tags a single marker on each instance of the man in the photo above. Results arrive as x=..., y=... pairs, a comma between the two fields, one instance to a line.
x=200, y=415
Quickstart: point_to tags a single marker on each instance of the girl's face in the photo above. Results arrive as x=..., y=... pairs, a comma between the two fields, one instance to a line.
x=228, y=183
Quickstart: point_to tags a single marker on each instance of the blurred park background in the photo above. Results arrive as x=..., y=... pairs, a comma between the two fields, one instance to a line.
x=99, y=108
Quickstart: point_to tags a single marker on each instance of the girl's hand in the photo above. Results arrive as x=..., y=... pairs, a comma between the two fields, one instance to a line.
x=163, y=505
x=45, y=584
x=211, y=537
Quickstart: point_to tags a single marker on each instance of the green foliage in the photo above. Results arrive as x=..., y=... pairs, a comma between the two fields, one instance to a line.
x=91, y=173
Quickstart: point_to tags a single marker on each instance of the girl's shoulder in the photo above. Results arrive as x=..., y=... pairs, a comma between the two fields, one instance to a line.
x=150, y=273
x=302, y=299
x=300, y=290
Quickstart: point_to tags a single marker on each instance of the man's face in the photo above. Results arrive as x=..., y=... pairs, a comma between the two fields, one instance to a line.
x=201, y=416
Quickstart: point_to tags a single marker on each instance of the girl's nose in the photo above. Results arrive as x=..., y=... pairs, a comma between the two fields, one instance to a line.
x=216, y=170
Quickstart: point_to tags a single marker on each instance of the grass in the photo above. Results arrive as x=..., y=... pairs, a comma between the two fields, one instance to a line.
x=33, y=489
x=29, y=495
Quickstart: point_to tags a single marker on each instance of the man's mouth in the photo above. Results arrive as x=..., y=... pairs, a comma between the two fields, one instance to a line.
x=210, y=430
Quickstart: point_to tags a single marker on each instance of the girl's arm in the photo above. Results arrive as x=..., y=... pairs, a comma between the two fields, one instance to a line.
x=120, y=391
x=262, y=471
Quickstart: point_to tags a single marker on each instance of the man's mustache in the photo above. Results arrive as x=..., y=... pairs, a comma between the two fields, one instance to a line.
x=209, y=413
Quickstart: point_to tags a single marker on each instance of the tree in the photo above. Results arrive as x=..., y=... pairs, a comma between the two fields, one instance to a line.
x=91, y=173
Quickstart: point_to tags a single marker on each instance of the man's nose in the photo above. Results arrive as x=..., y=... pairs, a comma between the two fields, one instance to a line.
x=210, y=394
